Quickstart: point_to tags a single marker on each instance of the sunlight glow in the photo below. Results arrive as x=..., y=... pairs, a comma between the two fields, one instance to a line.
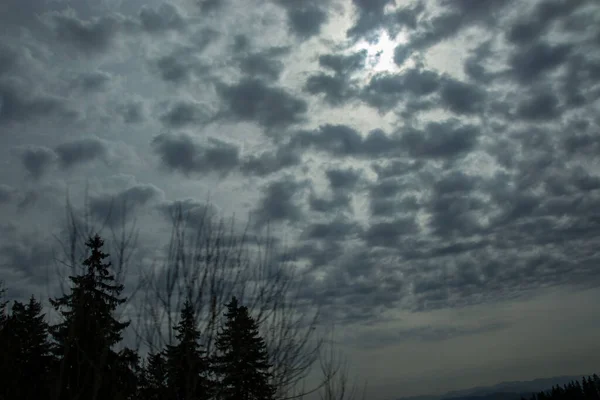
x=380, y=55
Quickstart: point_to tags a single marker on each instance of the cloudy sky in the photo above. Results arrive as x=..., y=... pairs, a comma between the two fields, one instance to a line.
x=434, y=163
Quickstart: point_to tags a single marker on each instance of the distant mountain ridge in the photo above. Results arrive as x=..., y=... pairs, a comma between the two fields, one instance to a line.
x=501, y=391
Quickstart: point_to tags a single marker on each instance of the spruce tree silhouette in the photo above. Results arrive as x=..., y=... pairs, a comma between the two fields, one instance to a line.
x=153, y=382
x=187, y=367
x=28, y=352
x=241, y=363
x=84, y=340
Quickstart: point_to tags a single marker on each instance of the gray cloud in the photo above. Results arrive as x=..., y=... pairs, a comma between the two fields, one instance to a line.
x=462, y=98
x=531, y=62
x=91, y=36
x=164, y=18
x=93, y=81
x=305, y=17
x=132, y=112
x=388, y=234
x=540, y=106
x=113, y=209
x=445, y=139
x=280, y=202
x=80, y=150
x=37, y=159
x=343, y=178
x=271, y=162
x=384, y=91
x=263, y=64
x=194, y=213
x=254, y=100
x=184, y=113
x=338, y=202
x=6, y=193
x=342, y=140
x=182, y=153
x=15, y=107
x=340, y=87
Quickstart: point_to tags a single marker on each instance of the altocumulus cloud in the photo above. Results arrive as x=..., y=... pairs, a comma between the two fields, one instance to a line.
x=420, y=158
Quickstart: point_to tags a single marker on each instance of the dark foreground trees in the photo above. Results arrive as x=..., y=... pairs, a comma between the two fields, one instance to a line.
x=241, y=363
x=587, y=389
x=77, y=358
x=219, y=293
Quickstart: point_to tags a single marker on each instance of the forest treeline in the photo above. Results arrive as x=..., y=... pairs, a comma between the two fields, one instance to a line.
x=587, y=389
x=77, y=357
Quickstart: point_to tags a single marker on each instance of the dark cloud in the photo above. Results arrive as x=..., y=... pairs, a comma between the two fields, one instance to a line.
x=305, y=17
x=132, y=112
x=445, y=139
x=389, y=234
x=539, y=107
x=531, y=27
x=167, y=17
x=386, y=207
x=345, y=179
x=254, y=100
x=384, y=90
x=342, y=140
x=209, y=5
x=182, y=153
x=281, y=201
x=340, y=201
x=397, y=168
x=344, y=64
x=271, y=162
x=8, y=59
x=337, y=89
x=93, y=81
x=173, y=68
x=80, y=151
x=264, y=64
x=529, y=63
x=454, y=17
x=37, y=160
x=29, y=255
x=194, y=213
x=113, y=209
x=6, y=193
x=15, y=107
x=340, y=87
x=338, y=229
x=474, y=67
x=462, y=98
x=184, y=113
x=369, y=18
x=91, y=36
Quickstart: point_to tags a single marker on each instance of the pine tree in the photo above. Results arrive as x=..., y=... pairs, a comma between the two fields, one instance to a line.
x=85, y=338
x=242, y=362
x=29, y=351
x=153, y=385
x=186, y=364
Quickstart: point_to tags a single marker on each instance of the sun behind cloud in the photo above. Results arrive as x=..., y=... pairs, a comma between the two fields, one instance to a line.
x=380, y=54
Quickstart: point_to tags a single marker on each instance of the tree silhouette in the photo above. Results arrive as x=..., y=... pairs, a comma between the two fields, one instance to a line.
x=242, y=361
x=85, y=338
x=28, y=352
x=153, y=381
x=187, y=368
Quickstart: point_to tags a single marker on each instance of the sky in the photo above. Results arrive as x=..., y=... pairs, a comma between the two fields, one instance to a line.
x=432, y=164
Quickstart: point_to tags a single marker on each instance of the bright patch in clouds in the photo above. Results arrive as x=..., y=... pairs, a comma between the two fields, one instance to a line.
x=380, y=55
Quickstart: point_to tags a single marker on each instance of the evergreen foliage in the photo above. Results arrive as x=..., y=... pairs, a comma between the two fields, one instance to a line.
x=186, y=364
x=88, y=332
x=242, y=363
